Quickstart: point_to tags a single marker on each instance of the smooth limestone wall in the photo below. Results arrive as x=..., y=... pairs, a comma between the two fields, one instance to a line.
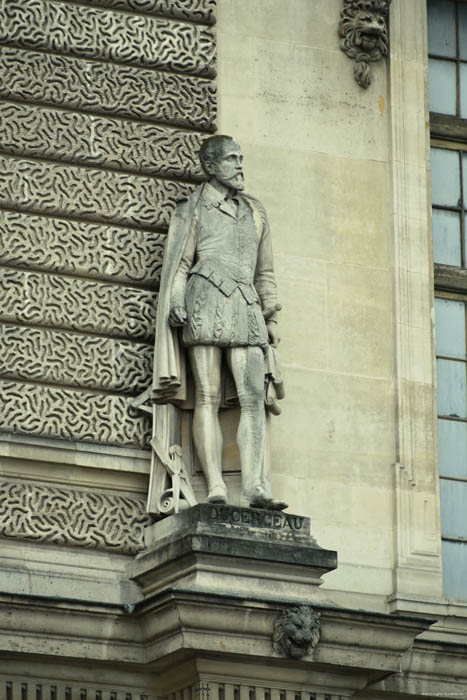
x=316, y=154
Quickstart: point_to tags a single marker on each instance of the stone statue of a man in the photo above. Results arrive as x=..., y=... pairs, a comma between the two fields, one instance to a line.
x=218, y=308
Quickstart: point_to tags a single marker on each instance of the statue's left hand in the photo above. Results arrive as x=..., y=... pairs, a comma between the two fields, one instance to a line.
x=177, y=316
x=273, y=334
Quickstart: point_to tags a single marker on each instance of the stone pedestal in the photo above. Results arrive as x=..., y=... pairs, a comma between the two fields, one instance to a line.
x=230, y=595
x=242, y=551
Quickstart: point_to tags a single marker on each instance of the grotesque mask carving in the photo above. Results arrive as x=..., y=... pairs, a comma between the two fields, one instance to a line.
x=296, y=632
x=364, y=32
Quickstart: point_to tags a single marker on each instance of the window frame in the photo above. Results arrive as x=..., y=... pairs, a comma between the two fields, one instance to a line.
x=450, y=282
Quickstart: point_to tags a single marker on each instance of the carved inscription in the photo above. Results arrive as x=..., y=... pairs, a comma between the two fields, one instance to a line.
x=74, y=359
x=93, y=140
x=54, y=412
x=107, y=88
x=91, y=194
x=64, y=245
x=90, y=32
x=195, y=10
x=72, y=517
x=77, y=304
x=257, y=518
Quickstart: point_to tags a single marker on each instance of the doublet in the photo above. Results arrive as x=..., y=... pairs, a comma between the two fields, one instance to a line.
x=225, y=278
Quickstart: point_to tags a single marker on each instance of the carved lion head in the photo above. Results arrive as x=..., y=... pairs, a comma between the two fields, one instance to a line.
x=296, y=632
x=364, y=32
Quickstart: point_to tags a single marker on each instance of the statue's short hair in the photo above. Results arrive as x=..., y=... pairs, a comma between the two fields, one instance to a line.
x=212, y=148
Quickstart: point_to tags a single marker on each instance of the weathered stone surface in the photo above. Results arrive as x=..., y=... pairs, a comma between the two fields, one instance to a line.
x=73, y=359
x=54, y=412
x=194, y=10
x=90, y=32
x=77, y=304
x=88, y=193
x=93, y=140
x=86, y=249
x=71, y=517
x=107, y=88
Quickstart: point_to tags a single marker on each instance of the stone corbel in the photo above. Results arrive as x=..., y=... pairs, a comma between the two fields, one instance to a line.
x=364, y=31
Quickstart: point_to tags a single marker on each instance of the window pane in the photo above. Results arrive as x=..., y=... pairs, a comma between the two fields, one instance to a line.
x=463, y=31
x=455, y=570
x=442, y=28
x=453, y=510
x=464, y=165
x=451, y=388
x=442, y=86
x=450, y=327
x=463, y=89
x=445, y=177
x=446, y=237
x=452, y=448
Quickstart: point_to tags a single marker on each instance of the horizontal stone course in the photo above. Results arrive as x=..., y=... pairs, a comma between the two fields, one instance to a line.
x=55, y=412
x=93, y=32
x=77, y=304
x=195, y=10
x=107, y=88
x=94, y=140
x=85, y=361
x=72, y=517
x=95, y=195
x=78, y=247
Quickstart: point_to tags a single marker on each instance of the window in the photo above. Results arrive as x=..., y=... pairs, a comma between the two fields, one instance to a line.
x=447, y=42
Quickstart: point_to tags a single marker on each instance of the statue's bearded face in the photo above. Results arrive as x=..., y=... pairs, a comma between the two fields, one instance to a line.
x=227, y=168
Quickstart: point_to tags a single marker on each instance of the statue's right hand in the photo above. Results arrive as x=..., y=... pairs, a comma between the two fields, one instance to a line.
x=177, y=316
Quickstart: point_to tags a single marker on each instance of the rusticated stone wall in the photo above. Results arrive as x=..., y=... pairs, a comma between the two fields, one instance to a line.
x=103, y=107
x=72, y=517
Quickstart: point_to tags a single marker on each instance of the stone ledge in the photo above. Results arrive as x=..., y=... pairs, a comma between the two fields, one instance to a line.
x=159, y=633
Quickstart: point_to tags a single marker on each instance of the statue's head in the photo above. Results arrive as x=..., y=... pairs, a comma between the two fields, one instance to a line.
x=221, y=159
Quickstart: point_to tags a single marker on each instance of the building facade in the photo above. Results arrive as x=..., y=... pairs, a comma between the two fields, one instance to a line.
x=104, y=105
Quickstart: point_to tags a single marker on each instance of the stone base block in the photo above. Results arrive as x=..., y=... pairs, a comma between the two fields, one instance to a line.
x=242, y=551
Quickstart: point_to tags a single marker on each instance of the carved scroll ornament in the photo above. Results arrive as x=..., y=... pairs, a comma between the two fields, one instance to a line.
x=365, y=35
